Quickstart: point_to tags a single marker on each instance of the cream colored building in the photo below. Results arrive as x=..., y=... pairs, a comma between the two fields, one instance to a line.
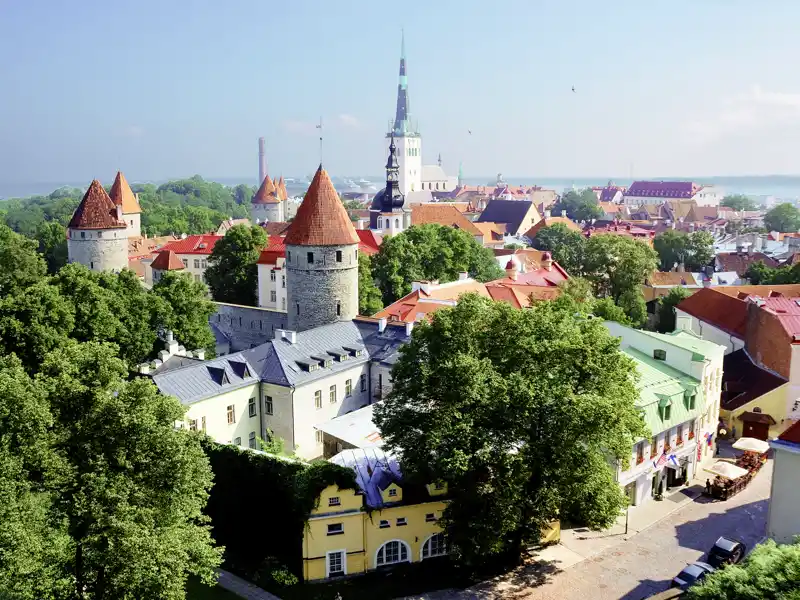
x=783, y=522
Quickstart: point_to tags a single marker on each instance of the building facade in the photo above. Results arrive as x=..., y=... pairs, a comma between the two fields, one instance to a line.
x=269, y=204
x=97, y=235
x=194, y=251
x=679, y=397
x=783, y=520
x=388, y=214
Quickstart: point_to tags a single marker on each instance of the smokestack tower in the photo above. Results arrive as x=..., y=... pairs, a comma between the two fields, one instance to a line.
x=262, y=161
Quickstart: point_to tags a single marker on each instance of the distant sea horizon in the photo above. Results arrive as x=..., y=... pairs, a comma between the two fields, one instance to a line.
x=781, y=187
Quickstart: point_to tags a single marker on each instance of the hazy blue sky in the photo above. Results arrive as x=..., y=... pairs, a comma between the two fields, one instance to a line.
x=162, y=88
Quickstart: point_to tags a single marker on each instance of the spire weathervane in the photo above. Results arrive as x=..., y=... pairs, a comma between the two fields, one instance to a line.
x=320, y=140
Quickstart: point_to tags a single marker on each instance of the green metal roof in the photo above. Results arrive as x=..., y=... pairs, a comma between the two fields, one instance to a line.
x=688, y=341
x=660, y=385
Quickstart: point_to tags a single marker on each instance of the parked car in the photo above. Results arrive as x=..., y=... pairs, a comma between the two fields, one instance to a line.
x=726, y=551
x=692, y=574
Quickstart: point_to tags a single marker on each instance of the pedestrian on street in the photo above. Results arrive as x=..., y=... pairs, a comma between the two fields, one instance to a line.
x=708, y=487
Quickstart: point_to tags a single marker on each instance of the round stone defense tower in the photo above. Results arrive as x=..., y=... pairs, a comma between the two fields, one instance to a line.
x=97, y=235
x=122, y=195
x=266, y=204
x=321, y=260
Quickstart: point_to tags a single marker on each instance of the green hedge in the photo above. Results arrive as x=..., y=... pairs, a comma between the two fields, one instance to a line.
x=259, y=505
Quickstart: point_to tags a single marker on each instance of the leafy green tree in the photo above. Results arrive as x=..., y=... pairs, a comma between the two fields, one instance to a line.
x=514, y=247
x=739, y=202
x=769, y=573
x=429, y=252
x=129, y=493
x=20, y=263
x=568, y=247
x=187, y=310
x=369, y=296
x=617, y=266
x=52, y=238
x=518, y=413
x=243, y=194
x=693, y=250
x=760, y=274
x=232, y=273
x=784, y=218
x=666, y=308
x=580, y=206
x=577, y=297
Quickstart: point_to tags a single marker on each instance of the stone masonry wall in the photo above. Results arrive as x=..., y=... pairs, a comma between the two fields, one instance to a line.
x=266, y=212
x=99, y=249
x=317, y=287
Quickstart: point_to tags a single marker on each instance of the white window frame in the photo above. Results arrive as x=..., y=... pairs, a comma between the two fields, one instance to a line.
x=332, y=398
x=231, y=414
x=427, y=540
x=381, y=547
x=251, y=408
x=343, y=554
x=318, y=399
x=348, y=388
x=269, y=407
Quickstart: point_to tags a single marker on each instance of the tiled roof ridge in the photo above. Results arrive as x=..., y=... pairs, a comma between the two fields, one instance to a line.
x=96, y=210
x=321, y=219
x=266, y=194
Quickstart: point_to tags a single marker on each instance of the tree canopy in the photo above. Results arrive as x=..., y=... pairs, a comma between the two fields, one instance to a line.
x=666, y=308
x=186, y=310
x=568, y=247
x=580, y=206
x=429, y=252
x=20, y=263
x=739, y=202
x=86, y=516
x=369, y=296
x=784, y=218
x=232, y=273
x=693, y=250
x=760, y=274
x=517, y=412
x=770, y=572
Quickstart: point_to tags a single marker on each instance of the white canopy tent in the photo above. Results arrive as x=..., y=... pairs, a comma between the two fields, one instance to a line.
x=749, y=444
x=727, y=470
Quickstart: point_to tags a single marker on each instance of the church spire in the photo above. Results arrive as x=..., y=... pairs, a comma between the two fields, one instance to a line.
x=403, y=113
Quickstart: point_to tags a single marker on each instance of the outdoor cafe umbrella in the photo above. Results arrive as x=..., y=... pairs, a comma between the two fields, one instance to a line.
x=749, y=444
x=726, y=470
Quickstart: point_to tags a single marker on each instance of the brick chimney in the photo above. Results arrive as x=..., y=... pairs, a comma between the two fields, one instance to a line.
x=547, y=261
x=511, y=270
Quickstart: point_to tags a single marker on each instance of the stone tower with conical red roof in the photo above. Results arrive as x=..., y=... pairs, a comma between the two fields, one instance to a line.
x=267, y=204
x=122, y=195
x=97, y=235
x=321, y=259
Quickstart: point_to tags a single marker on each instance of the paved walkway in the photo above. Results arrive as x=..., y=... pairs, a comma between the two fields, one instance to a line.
x=242, y=588
x=662, y=538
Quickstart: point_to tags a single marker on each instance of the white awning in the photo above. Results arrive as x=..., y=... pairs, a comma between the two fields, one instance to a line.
x=749, y=444
x=355, y=428
x=727, y=470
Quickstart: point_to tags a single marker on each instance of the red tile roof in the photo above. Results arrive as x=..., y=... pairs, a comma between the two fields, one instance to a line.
x=167, y=260
x=194, y=244
x=368, y=243
x=266, y=194
x=281, y=189
x=96, y=211
x=549, y=221
x=718, y=309
x=275, y=227
x=791, y=435
x=321, y=219
x=740, y=262
x=121, y=193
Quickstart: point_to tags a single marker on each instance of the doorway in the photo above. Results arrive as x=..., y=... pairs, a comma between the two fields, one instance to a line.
x=753, y=429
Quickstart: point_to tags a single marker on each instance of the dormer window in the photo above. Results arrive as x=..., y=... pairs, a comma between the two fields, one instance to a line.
x=392, y=492
x=659, y=354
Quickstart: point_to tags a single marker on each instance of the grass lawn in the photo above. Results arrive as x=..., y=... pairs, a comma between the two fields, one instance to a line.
x=197, y=591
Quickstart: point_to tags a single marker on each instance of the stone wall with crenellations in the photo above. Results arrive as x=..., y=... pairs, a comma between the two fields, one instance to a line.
x=273, y=213
x=322, y=290
x=98, y=249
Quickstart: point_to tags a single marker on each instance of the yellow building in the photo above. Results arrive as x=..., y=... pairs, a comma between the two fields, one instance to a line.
x=377, y=525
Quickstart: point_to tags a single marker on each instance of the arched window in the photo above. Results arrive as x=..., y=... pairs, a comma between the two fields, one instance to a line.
x=434, y=546
x=380, y=223
x=391, y=553
x=397, y=223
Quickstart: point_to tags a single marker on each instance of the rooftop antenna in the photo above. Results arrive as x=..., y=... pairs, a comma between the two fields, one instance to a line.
x=320, y=139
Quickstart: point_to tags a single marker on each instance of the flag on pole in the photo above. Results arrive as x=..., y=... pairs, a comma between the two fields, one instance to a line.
x=661, y=460
x=673, y=460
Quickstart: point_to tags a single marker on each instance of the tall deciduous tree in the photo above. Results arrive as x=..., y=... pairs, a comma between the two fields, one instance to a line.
x=124, y=507
x=580, y=206
x=568, y=247
x=771, y=572
x=693, y=250
x=187, y=310
x=52, y=238
x=430, y=252
x=20, y=264
x=369, y=296
x=666, y=308
x=518, y=412
x=232, y=273
x=784, y=218
x=739, y=202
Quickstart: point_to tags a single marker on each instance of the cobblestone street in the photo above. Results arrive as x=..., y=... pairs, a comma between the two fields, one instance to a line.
x=640, y=564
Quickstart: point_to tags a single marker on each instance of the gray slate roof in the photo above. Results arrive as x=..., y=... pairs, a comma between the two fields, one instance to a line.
x=280, y=362
x=510, y=212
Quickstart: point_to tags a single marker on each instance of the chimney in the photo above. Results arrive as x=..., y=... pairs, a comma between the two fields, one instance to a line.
x=381, y=324
x=170, y=336
x=463, y=276
x=144, y=368
x=262, y=161
x=564, y=213
x=290, y=336
x=547, y=261
x=409, y=328
x=511, y=270
x=201, y=354
x=547, y=213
